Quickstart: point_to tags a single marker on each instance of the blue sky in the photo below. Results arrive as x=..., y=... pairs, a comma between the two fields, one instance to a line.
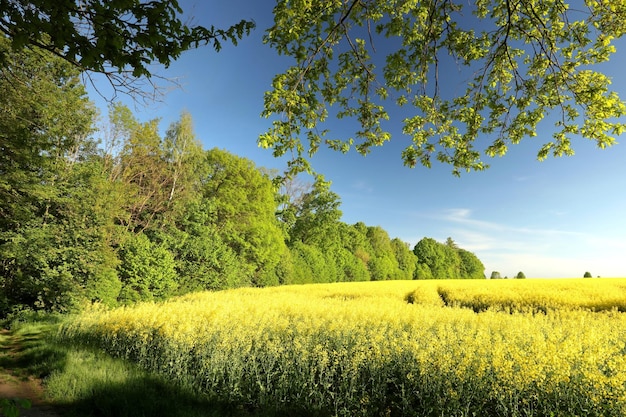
x=556, y=218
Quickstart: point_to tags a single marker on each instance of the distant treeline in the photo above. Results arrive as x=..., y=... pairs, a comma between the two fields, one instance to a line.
x=138, y=215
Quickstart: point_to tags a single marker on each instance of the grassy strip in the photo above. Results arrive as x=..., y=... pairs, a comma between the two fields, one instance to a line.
x=87, y=383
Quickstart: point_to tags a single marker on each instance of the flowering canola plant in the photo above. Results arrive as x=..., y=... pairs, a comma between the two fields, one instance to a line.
x=407, y=348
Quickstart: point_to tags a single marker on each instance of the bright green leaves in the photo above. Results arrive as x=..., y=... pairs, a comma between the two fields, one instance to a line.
x=332, y=68
x=522, y=63
x=445, y=261
x=147, y=270
x=243, y=199
x=53, y=227
x=608, y=16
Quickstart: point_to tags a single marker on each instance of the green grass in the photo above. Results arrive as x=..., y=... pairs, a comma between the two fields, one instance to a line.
x=87, y=383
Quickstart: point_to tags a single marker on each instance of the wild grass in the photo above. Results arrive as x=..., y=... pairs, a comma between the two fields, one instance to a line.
x=382, y=348
x=83, y=382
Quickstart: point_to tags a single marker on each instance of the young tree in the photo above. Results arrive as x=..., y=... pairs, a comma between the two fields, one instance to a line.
x=522, y=61
x=451, y=243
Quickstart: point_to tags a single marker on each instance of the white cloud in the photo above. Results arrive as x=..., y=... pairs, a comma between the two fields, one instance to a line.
x=535, y=251
x=464, y=216
x=510, y=248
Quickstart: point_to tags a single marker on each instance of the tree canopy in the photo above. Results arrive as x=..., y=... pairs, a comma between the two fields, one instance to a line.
x=495, y=275
x=520, y=61
x=445, y=261
x=119, y=39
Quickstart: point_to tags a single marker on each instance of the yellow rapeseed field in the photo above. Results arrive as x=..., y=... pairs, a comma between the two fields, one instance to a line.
x=405, y=348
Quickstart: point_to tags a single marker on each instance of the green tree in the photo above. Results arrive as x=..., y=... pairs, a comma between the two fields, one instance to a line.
x=311, y=216
x=442, y=261
x=520, y=275
x=383, y=264
x=203, y=261
x=471, y=266
x=147, y=270
x=317, y=215
x=358, y=251
x=88, y=214
x=55, y=205
x=587, y=275
x=430, y=254
x=495, y=275
x=451, y=243
x=311, y=265
x=314, y=215
x=245, y=206
x=44, y=115
x=120, y=39
x=355, y=237
x=523, y=61
x=350, y=266
x=407, y=261
x=422, y=271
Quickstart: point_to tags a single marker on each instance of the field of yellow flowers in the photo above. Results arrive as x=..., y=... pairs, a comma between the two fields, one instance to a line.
x=397, y=348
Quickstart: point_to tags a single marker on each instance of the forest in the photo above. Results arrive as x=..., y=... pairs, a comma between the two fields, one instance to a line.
x=118, y=212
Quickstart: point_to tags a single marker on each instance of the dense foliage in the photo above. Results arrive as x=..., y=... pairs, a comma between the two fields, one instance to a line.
x=518, y=62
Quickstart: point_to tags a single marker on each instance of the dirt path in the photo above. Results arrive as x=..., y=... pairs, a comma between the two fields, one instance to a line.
x=30, y=390
x=23, y=387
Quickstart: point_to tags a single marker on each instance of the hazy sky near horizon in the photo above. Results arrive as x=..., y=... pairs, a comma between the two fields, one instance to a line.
x=556, y=218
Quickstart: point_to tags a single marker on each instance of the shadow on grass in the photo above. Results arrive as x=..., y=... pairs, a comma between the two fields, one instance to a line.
x=152, y=396
x=88, y=383
x=25, y=352
x=143, y=396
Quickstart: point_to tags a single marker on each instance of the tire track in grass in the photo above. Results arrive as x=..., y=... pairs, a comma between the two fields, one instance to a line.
x=16, y=383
